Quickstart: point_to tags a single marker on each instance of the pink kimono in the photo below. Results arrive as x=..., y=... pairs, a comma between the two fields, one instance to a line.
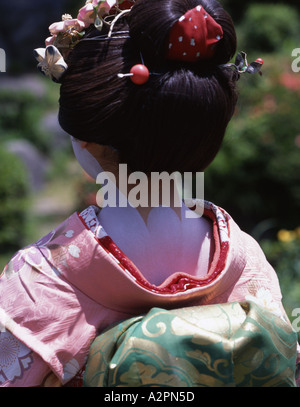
x=59, y=293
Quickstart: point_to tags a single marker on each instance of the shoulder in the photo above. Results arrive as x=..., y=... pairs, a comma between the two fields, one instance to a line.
x=39, y=255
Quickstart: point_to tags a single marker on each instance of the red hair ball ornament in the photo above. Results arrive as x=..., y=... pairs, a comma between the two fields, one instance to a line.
x=194, y=36
x=139, y=74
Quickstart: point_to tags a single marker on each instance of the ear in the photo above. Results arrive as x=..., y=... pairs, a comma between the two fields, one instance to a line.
x=84, y=144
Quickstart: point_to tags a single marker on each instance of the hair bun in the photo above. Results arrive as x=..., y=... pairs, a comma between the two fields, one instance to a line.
x=151, y=21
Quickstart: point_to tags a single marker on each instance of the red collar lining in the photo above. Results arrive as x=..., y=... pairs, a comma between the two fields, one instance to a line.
x=180, y=282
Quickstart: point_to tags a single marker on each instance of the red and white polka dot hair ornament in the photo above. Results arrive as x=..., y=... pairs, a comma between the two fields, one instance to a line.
x=194, y=36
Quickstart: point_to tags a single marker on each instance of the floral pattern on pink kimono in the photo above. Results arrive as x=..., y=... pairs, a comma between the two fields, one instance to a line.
x=59, y=293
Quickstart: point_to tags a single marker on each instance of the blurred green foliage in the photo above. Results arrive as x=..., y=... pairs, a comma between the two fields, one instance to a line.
x=23, y=105
x=19, y=113
x=284, y=254
x=237, y=8
x=269, y=28
x=256, y=174
x=14, y=195
x=20, y=117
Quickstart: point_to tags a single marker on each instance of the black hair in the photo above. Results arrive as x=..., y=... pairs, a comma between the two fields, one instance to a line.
x=174, y=122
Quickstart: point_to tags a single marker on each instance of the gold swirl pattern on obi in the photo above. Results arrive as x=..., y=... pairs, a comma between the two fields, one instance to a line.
x=235, y=344
x=160, y=325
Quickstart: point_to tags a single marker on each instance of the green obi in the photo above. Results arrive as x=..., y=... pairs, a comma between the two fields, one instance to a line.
x=234, y=344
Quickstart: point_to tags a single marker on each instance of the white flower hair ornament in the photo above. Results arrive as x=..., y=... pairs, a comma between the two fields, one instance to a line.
x=51, y=62
x=67, y=33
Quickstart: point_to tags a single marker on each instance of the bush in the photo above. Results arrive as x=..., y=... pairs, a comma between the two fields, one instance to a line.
x=13, y=202
x=237, y=8
x=284, y=255
x=256, y=174
x=20, y=114
x=269, y=27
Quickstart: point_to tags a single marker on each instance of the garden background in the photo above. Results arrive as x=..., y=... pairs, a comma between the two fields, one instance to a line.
x=255, y=177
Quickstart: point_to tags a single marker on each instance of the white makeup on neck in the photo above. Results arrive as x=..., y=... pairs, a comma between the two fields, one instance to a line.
x=159, y=246
x=87, y=161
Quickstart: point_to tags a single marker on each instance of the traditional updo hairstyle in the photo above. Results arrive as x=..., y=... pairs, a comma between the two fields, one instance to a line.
x=174, y=122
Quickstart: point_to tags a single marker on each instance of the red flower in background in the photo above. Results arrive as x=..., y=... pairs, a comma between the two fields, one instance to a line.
x=290, y=81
